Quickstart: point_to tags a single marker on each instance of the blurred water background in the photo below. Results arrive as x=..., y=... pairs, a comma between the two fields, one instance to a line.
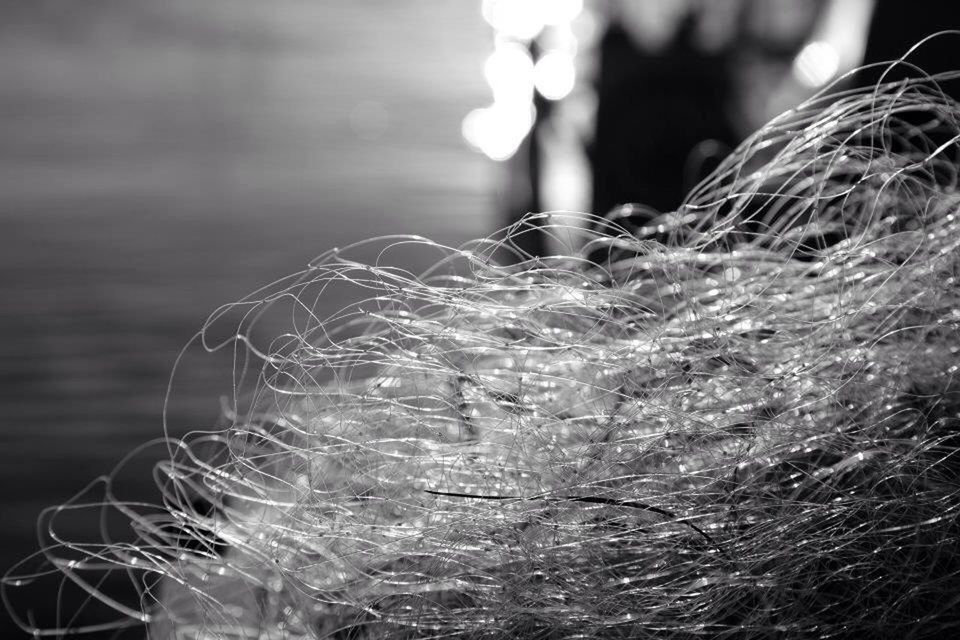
x=158, y=159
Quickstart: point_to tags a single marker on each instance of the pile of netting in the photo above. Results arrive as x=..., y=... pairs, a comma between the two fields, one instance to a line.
x=739, y=420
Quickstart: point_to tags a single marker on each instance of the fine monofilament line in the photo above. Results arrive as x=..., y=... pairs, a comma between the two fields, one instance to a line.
x=740, y=421
x=632, y=504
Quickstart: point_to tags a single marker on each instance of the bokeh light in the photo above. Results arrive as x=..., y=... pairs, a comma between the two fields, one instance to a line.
x=521, y=29
x=520, y=19
x=816, y=64
x=498, y=130
x=554, y=75
x=509, y=71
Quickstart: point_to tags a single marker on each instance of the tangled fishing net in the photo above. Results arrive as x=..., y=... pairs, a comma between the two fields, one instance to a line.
x=738, y=421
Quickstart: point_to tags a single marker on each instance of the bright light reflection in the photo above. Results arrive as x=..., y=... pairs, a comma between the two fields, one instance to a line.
x=554, y=75
x=520, y=19
x=509, y=71
x=498, y=130
x=816, y=64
